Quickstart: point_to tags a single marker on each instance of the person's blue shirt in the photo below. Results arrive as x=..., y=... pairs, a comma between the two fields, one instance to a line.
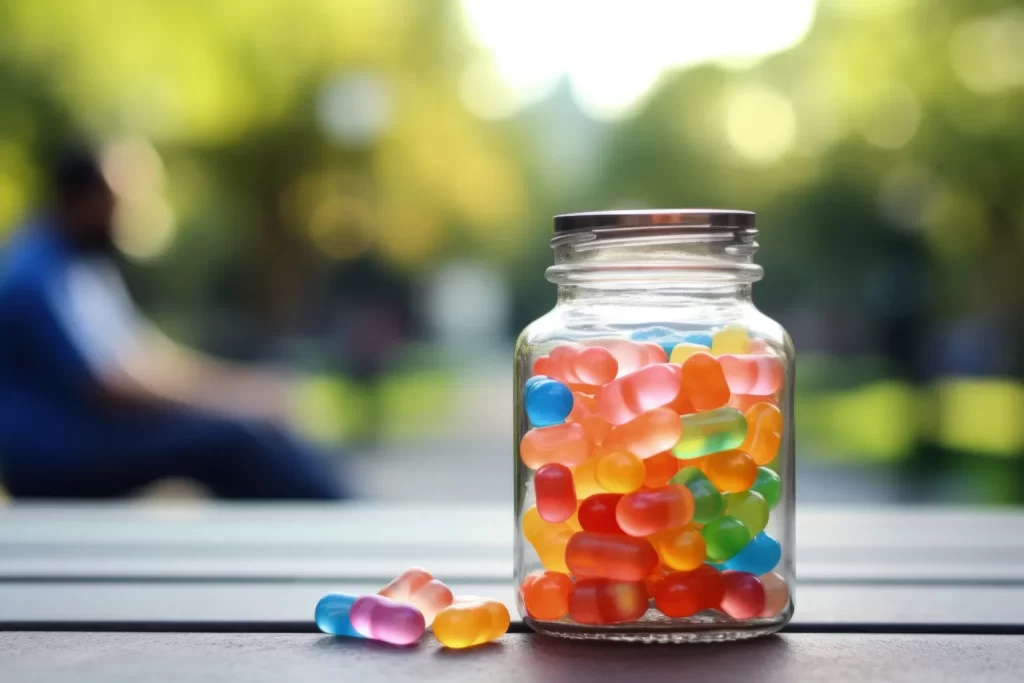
x=62, y=315
x=65, y=318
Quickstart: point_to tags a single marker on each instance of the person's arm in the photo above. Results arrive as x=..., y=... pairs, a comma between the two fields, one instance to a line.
x=154, y=368
x=131, y=361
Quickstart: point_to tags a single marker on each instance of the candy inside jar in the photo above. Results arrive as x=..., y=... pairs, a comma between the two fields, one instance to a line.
x=653, y=492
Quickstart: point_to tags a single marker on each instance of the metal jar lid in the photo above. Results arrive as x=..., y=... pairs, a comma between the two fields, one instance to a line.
x=696, y=219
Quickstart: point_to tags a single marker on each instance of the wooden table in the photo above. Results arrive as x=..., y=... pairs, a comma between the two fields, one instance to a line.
x=227, y=591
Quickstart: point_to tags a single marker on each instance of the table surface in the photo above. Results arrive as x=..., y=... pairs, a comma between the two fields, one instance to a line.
x=210, y=592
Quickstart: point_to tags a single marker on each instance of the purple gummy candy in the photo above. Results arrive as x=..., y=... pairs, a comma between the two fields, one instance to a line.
x=383, y=619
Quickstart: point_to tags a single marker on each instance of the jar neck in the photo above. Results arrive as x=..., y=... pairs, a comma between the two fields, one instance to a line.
x=655, y=266
x=675, y=295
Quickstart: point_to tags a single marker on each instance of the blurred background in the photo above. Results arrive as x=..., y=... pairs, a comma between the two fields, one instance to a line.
x=361, y=192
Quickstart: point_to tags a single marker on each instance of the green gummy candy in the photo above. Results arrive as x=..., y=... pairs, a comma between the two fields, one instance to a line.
x=749, y=507
x=707, y=501
x=724, y=537
x=768, y=485
x=711, y=431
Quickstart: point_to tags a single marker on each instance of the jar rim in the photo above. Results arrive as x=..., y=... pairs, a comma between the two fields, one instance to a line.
x=684, y=219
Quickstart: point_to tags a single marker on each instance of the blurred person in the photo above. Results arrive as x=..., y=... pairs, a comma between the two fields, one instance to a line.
x=95, y=402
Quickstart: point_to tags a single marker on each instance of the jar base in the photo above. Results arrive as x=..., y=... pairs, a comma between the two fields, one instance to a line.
x=655, y=628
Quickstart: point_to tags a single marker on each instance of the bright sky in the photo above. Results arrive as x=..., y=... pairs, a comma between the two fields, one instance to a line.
x=613, y=52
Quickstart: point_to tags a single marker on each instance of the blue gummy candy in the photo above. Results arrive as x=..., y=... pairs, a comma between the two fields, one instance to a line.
x=702, y=338
x=532, y=382
x=548, y=403
x=331, y=615
x=757, y=557
x=662, y=336
x=652, y=334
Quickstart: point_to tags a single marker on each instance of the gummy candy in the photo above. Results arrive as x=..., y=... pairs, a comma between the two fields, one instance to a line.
x=556, y=493
x=646, y=512
x=546, y=594
x=548, y=402
x=566, y=444
x=469, y=623
x=709, y=432
x=648, y=388
x=332, y=615
x=724, y=537
x=620, y=472
x=604, y=601
x=380, y=618
x=707, y=501
x=609, y=556
x=759, y=556
x=417, y=587
x=744, y=595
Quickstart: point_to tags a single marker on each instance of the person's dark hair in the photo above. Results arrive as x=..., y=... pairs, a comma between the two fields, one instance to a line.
x=74, y=172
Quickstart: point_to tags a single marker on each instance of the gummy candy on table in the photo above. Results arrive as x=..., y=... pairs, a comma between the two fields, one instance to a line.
x=585, y=477
x=660, y=468
x=707, y=501
x=731, y=471
x=417, y=587
x=566, y=444
x=760, y=556
x=620, y=472
x=609, y=556
x=724, y=537
x=384, y=619
x=648, y=388
x=709, y=432
x=332, y=615
x=548, y=540
x=597, y=513
x=555, y=491
x=681, y=549
x=649, y=511
x=584, y=412
x=648, y=434
x=704, y=382
x=764, y=432
x=654, y=578
x=768, y=485
x=744, y=595
x=758, y=374
x=683, y=350
x=548, y=402
x=776, y=594
x=730, y=339
x=469, y=623
x=604, y=601
x=749, y=507
x=546, y=594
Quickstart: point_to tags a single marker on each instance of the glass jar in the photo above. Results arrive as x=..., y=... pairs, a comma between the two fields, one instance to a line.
x=654, y=436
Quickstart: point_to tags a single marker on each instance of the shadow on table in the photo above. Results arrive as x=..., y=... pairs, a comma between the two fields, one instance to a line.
x=568, y=660
x=367, y=646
